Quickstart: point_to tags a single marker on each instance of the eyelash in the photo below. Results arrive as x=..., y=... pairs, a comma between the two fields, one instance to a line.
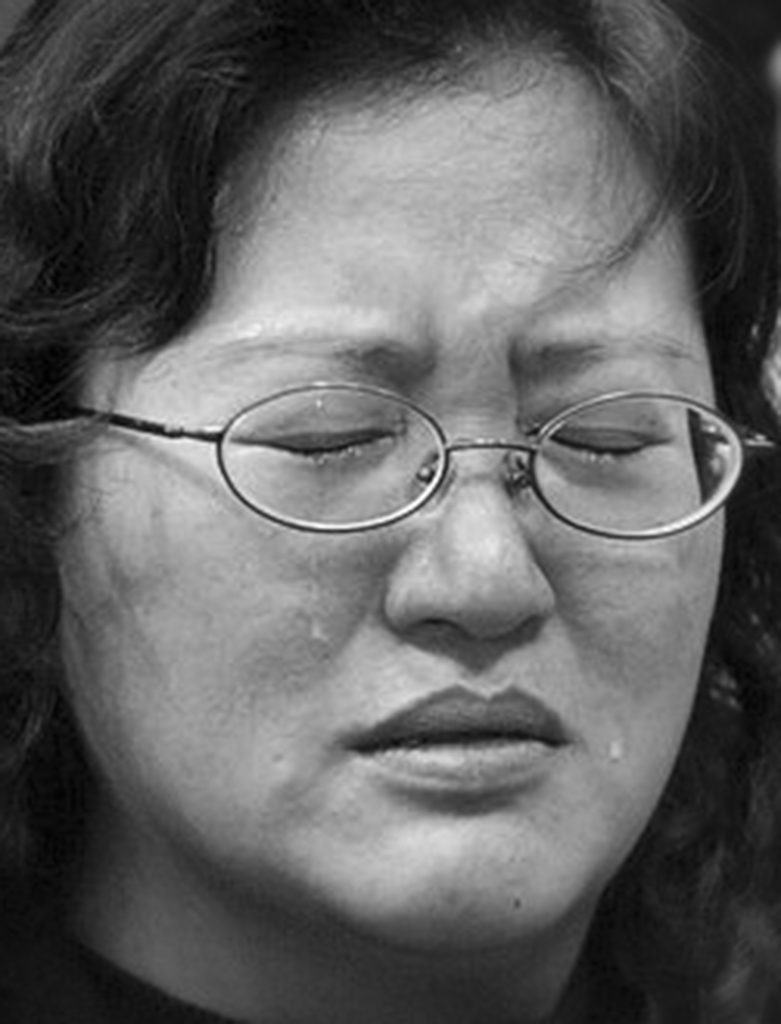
x=598, y=451
x=321, y=447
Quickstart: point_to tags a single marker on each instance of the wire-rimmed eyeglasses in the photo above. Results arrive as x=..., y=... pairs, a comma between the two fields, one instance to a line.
x=343, y=458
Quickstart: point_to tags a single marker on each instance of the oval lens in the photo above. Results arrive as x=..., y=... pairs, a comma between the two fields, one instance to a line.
x=637, y=465
x=332, y=458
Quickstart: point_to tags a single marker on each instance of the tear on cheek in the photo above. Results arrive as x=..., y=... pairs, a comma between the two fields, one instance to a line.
x=318, y=633
x=615, y=751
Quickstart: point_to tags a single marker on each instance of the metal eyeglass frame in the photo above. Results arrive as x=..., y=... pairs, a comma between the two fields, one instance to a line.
x=521, y=473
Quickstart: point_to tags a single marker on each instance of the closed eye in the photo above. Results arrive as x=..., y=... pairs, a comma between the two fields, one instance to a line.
x=319, y=444
x=607, y=443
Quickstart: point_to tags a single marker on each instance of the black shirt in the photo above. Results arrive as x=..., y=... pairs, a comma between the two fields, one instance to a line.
x=48, y=978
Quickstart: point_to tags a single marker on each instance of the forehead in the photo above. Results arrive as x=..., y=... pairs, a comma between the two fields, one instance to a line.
x=444, y=166
x=433, y=221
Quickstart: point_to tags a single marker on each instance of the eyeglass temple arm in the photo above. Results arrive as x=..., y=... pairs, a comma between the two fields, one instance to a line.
x=753, y=443
x=142, y=426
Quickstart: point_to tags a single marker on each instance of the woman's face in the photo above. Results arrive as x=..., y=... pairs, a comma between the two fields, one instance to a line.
x=224, y=669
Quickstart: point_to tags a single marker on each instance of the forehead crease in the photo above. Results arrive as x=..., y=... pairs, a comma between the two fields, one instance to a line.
x=409, y=147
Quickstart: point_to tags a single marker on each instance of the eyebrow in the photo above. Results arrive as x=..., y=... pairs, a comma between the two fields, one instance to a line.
x=379, y=358
x=389, y=360
x=369, y=355
x=567, y=357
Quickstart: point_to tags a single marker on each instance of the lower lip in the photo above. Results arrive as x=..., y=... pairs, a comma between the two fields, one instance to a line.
x=471, y=769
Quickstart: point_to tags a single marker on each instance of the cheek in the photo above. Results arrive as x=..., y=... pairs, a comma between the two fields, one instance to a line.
x=644, y=604
x=211, y=626
x=623, y=656
x=637, y=619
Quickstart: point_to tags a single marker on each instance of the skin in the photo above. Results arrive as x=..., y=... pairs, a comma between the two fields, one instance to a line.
x=241, y=857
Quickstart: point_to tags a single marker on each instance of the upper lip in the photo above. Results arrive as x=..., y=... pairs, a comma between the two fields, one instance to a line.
x=458, y=715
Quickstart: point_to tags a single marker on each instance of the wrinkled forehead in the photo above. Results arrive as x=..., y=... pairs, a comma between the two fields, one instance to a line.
x=559, y=142
x=476, y=209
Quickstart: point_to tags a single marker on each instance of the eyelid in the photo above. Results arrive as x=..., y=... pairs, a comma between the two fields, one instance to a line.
x=315, y=438
x=606, y=443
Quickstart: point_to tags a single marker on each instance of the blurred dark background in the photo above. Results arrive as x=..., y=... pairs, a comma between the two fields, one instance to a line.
x=754, y=24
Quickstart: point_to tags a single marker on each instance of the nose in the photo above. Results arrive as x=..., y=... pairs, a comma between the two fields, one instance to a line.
x=468, y=562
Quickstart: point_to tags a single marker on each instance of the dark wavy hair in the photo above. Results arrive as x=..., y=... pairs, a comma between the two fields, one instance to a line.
x=119, y=121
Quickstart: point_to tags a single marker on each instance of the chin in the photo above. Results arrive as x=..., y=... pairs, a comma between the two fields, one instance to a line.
x=456, y=919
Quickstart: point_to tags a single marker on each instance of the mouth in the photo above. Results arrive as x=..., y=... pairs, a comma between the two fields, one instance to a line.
x=457, y=740
x=458, y=717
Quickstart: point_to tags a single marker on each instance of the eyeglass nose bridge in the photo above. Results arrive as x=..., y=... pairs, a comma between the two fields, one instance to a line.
x=517, y=461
